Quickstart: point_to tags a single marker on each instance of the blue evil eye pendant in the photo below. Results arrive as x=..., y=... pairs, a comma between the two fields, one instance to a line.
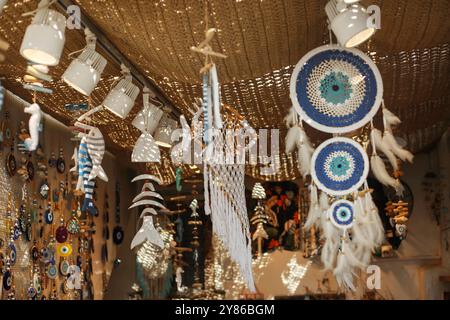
x=118, y=235
x=339, y=166
x=16, y=231
x=52, y=271
x=64, y=267
x=341, y=214
x=35, y=253
x=178, y=177
x=7, y=280
x=336, y=89
x=12, y=253
x=48, y=215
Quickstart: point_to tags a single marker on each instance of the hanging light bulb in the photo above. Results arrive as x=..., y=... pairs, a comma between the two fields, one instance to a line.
x=44, y=38
x=122, y=97
x=163, y=135
x=83, y=73
x=349, y=23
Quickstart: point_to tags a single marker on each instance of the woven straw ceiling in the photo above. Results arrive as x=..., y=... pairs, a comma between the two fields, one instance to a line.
x=263, y=39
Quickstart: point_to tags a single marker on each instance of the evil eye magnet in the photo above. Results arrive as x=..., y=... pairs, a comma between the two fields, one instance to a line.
x=64, y=249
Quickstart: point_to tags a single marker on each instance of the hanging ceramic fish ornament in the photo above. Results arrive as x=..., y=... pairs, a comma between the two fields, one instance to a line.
x=84, y=183
x=147, y=232
x=336, y=90
x=339, y=166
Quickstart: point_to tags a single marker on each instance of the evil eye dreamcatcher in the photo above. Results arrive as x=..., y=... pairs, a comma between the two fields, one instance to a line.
x=338, y=90
x=335, y=89
x=339, y=166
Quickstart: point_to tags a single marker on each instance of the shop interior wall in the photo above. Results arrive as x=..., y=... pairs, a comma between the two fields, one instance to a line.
x=54, y=137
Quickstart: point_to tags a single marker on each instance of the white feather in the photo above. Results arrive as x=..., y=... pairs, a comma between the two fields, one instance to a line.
x=374, y=219
x=380, y=145
x=391, y=118
x=291, y=118
x=292, y=138
x=304, y=155
x=404, y=155
x=314, y=209
x=380, y=172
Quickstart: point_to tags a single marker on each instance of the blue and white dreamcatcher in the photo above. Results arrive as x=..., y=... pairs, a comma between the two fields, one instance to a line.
x=339, y=166
x=338, y=90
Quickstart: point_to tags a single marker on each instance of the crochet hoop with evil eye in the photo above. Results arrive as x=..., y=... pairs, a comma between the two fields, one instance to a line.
x=341, y=214
x=336, y=90
x=339, y=166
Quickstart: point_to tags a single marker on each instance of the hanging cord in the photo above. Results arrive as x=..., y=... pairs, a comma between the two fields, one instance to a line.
x=44, y=4
x=91, y=41
x=374, y=149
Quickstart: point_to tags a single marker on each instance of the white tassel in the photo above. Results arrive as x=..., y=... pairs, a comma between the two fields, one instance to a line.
x=404, y=155
x=377, y=139
x=292, y=138
x=343, y=271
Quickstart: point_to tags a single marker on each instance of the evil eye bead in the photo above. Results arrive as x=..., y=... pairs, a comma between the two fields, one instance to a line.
x=48, y=216
x=7, y=280
x=118, y=235
x=64, y=267
x=35, y=254
x=46, y=255
x=16, y=232
x=52, y=271
x=341, y=214
x=12, y=254
x=32, y=293
x=64, y=249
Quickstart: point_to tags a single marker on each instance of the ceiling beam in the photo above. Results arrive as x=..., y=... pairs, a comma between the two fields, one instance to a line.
x=117, y=56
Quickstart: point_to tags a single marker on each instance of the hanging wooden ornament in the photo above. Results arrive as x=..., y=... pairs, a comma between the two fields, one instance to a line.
x=11, y=164
x=336, y=90
x=339, y=166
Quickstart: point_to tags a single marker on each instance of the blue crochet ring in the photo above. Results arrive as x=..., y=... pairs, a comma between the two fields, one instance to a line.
x=341, y=214
x=336, y=90
x=339, y=166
